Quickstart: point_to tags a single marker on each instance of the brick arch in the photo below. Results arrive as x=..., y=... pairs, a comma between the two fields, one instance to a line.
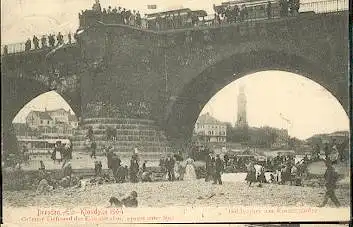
x=17, y=92
x=184, y=109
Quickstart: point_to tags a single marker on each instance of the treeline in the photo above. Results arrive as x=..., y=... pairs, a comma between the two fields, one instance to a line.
x=260, y=137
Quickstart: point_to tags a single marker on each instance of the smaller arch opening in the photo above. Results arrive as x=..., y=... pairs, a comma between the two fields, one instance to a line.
x=37, y=127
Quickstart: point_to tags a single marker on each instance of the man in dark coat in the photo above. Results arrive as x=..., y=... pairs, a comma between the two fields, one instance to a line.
x=134, y=169
x=169, y=163
x=210, y=162
x=115, y=164
x=98, y=168
x=219, y=168
x=109, y=154
x=331, y=178
x=121, y=174
x=93, y=149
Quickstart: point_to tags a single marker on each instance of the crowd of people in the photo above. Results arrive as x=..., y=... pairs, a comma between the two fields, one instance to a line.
x=175, y=20
x=116, y=15
x=62, y=152
x=130, y=109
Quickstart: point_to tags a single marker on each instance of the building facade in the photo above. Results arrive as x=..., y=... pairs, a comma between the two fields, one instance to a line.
x=209, y=129
x=36, y=119
x=53, y=118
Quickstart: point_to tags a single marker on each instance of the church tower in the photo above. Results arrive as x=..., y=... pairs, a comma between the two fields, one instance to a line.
x=241, y=117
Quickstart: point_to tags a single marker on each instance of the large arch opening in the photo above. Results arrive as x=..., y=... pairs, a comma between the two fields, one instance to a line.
x=271, y=110
x=186, y=106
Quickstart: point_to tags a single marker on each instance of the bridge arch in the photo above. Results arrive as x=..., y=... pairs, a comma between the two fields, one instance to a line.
x=184, y=109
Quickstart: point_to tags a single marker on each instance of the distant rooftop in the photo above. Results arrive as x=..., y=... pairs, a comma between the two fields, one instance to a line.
x=208, y=119
x=42, y=115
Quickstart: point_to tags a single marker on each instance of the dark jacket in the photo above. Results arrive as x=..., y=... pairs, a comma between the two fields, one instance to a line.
x=331, y=178
x=219, y=166
x=169, y=163
x=209, y=162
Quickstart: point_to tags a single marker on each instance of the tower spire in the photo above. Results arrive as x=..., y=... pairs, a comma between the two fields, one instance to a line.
x=241, y=115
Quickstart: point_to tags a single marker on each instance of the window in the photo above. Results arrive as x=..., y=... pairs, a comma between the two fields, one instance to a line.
x=48, y=122
x=41, y=121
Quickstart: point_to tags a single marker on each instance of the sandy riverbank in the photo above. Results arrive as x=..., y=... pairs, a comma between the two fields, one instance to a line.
x=181, y=193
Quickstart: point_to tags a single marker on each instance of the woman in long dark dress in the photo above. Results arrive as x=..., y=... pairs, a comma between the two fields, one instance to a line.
x=251, y=176
x=261, y=177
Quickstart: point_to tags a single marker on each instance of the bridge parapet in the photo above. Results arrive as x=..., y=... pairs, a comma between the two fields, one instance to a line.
x=90, y=18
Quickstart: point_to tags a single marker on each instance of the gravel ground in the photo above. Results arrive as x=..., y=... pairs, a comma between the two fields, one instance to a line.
x=180, y=193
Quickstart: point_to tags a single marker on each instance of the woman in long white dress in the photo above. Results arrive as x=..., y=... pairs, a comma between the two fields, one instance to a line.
x=190, y=173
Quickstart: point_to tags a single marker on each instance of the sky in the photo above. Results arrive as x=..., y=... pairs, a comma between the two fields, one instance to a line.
x=309, y=107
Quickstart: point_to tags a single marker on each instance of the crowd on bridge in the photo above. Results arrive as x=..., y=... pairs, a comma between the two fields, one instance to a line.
x=185, y=19
x=176, y=19
x=45, y=41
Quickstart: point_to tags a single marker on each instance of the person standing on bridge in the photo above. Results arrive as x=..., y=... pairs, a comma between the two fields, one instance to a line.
x=138, y=19
x=43, y=41
x=28, y=45
x=69, y=37
x=283, y=4
x=60, y=39
x=269, y=10
x=51, y=40
x=35, y=42
x=97, y=7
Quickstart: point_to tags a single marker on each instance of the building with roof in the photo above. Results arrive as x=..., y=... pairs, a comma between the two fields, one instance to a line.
x=36, y=119
x=209, y=129
x=53, y=118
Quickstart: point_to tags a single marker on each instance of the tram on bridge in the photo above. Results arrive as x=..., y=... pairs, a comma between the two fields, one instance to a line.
x=252, y=10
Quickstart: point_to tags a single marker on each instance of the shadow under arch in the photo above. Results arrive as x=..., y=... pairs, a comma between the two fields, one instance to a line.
x=184, y=109
x=17, y=92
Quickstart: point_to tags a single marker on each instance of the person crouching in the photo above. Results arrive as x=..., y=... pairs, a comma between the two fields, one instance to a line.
x=127, y=201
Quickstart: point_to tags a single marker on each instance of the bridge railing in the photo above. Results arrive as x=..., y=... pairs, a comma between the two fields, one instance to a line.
x=20, y=47
x=324, y=6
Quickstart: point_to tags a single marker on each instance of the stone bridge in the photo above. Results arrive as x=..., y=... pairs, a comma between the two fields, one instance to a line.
x=178, y=71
